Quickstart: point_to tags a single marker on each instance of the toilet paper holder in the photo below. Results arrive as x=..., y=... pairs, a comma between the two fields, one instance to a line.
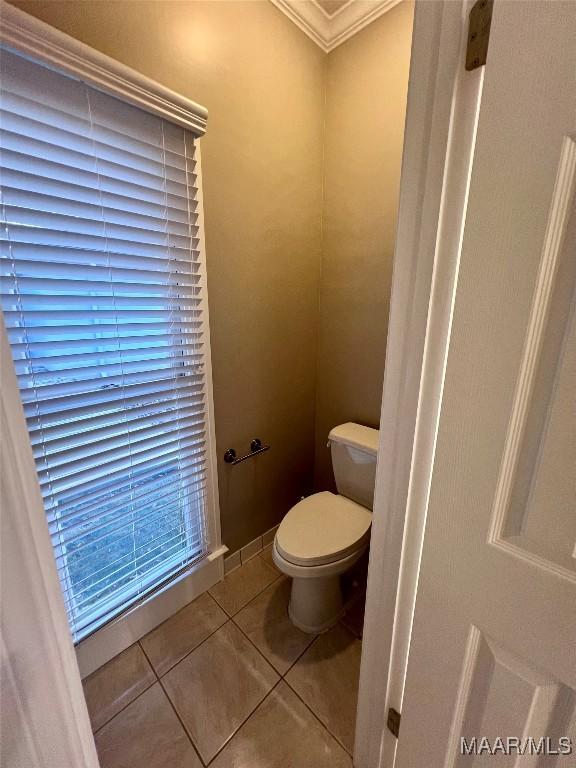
x=256, y=447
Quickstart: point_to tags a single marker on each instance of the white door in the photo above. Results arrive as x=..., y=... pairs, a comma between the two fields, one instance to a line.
x=493, y=649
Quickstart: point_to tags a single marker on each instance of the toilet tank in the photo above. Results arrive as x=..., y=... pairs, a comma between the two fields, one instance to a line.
x=354, y=449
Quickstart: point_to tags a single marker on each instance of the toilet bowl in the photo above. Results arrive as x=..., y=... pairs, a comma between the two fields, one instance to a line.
x=323, y=535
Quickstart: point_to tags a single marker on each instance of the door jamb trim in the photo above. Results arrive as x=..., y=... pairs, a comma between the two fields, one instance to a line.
x=441, y=119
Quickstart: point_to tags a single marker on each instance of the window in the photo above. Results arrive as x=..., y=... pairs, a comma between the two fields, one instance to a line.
x=103, y=296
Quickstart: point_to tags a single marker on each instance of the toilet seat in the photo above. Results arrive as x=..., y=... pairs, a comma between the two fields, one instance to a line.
x=323, y=528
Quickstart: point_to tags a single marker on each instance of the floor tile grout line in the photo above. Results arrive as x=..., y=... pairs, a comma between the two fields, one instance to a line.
x=297, y=659
x=282, y=675
x=94, y=732
x=172, y=705
x=271, y=567
x=309, y=708
x=248, y=716
x=180, y=610
x=238, y=627
x=310, y=644
x=232, y=619
x=279, y=577
x=281, y=678
x=218, y=604
x=231, y=615
x=352, y=631
x=243, y=723
x=261, y=555
x=158, y=677
x=256, y=554
x=184, y=607
x=195, y=648
x=183, y=724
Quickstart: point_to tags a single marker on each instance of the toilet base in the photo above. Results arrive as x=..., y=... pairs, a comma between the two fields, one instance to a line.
x=315, y=604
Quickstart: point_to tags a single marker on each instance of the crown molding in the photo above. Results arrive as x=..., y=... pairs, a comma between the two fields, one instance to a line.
x=28, y=35
x=330, y=30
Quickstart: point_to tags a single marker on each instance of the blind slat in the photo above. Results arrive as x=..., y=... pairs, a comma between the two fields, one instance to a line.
x=104, y=345
x=104, y=493
x=22, y=120
x=39, y=210
x=97, y=331
x=13, y=318
x=61, y=415
x=95, y=520
x=134, y=590
x=101, y=538
x=80, y=473
x=21, y=302
x=69, y=429
x=20, y=105
x=31, y=173
x=102, y=292
x=117, y=477
x=43, y=202
x=100, y=160
x=39, y=376
x=104, y=450
x=113, y=498
x=39, y=252
x=143, y=562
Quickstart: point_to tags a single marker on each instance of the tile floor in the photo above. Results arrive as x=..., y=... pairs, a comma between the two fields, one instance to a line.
x=229, y=682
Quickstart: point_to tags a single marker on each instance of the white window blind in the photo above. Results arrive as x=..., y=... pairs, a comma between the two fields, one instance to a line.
x=102, y=295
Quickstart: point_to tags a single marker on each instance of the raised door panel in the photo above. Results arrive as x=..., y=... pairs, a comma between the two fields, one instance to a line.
x=534, y=512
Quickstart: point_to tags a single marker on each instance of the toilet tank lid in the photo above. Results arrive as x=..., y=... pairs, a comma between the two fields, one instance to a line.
x=356, y=435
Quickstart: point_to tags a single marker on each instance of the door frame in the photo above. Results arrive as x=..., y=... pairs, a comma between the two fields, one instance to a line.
x=41, y=680
x=417, y=343
x=441, y=117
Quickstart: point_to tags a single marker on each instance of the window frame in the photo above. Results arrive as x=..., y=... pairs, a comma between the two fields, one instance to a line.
x=28, y=36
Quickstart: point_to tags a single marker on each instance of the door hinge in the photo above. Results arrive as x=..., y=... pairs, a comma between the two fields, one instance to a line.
x=478, y=34
x=393, y=721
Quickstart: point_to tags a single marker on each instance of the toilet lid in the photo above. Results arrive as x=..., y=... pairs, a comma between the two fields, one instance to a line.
x=323, y=528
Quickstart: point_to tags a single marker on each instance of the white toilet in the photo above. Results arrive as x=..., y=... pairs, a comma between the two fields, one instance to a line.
x=325, y=534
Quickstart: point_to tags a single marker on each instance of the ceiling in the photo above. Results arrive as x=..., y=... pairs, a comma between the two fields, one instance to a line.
x=331, y=22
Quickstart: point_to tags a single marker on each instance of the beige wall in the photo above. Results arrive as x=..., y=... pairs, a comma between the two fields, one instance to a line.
x=263, y=82
x=366, y=87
